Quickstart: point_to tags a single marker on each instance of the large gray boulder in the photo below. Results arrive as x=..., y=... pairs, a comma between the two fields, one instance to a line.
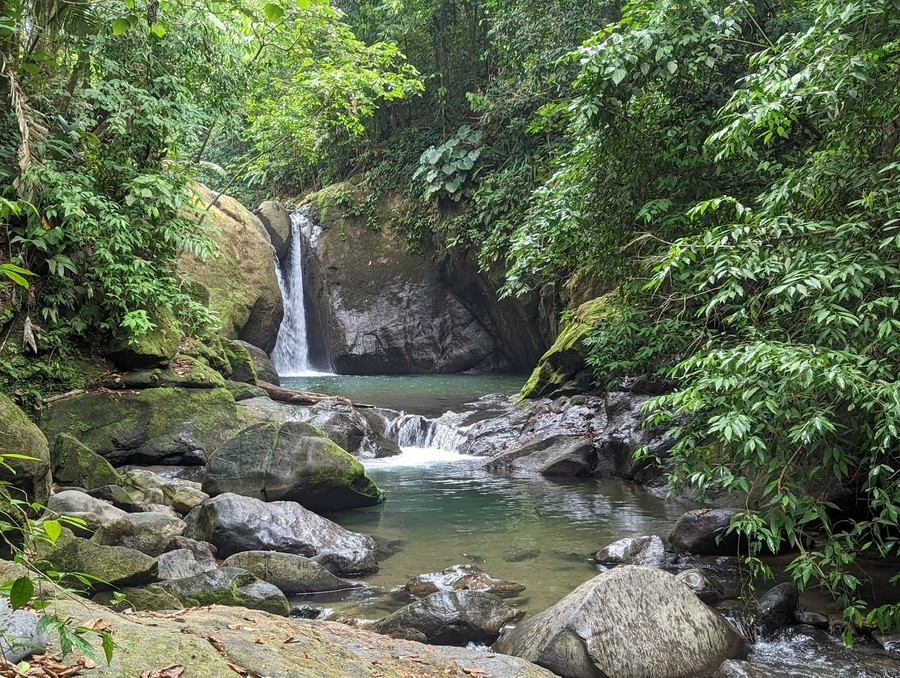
x=148, y=533
x=291, y=573
x=277, y=222
x=228, y=586
x=629, y=621
x=180, y=564
x=233, y=523
x=380, y=309
x=18, y=633
x=450, y=618
x=292, y=462
x=548, y=455
x=458, y=578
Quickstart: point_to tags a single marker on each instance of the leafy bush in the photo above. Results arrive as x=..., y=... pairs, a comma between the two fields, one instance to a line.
x=445, y=169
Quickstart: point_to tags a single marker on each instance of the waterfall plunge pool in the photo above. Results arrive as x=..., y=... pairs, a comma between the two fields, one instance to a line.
x=427, y=394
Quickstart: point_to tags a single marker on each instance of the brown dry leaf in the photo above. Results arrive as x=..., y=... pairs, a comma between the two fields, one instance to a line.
x=292, y=639
x=474, y=672
x=241, y=627
x=97, y=624
x=216, y=643
x=240, y=670
x=171, y=671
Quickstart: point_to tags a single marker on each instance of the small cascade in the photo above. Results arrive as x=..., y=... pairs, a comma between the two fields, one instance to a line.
x=291, y=353
x=413, y=430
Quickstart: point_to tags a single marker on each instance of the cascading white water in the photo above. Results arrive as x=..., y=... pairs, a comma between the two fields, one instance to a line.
x=291, y=354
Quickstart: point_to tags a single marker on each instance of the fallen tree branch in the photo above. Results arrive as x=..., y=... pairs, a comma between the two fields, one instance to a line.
x=286, y=395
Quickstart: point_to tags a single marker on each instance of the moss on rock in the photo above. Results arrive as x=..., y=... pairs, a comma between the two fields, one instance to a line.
x=75, y=464
x=563, y=368
x=290, y=461
x=157, y=425
x=28, y=479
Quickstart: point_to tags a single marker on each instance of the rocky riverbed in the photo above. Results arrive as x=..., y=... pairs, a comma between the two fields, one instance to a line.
x=222, y=518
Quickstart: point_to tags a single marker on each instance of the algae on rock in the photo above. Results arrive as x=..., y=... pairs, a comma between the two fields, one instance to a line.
x=563, y=369
x=155, y=426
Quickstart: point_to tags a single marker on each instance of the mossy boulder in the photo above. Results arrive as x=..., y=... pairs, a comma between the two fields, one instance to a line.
x=151, y=426
x=228, y=586
x=75, y=464
x=290, y=461
x=289, y=572
x=240, y=362
x=29, y=479
x=107, y=565
x=563, y=369
x=263, y=367
x=152, y=597
x=240, y=282
x=153, y=348
x=241, y=391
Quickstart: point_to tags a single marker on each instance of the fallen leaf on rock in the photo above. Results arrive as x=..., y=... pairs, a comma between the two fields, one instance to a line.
x=97, y=624
x=171, y=671
x=474, y=672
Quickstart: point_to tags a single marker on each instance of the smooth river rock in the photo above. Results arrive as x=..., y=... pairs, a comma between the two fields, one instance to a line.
x=292, y=461
x=291, y=573
x=450, y=618
x=629, y=621
x=548, y=455
x=649, y=551
x=461, y=577
x=233, y=523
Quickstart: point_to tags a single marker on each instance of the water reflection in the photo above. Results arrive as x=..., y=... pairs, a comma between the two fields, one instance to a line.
x=442, y=509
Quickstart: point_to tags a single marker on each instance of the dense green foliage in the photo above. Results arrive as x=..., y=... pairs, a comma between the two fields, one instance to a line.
x=110, y=107
x=732, y=166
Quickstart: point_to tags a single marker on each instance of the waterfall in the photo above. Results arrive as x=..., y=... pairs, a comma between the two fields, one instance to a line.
x=291, y=353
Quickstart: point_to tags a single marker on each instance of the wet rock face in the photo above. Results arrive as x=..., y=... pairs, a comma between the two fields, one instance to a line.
x=549, y=456
x=294, y=462
x=450, y=618
x=461, y=577
x=703, y=585
x=233, y=523
x=702, y=532
x=648, y=551
x=629, y=621
x=775, y=609
x=382, y=309
x=262, y=364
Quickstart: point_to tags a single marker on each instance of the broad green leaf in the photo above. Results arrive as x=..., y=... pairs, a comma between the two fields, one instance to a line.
x=21, y=592
x=53, y=529
x=273, y=12
x=158, y=30
x=120, y=26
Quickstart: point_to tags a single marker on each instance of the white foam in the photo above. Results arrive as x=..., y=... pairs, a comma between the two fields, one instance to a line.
x=419, y=456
